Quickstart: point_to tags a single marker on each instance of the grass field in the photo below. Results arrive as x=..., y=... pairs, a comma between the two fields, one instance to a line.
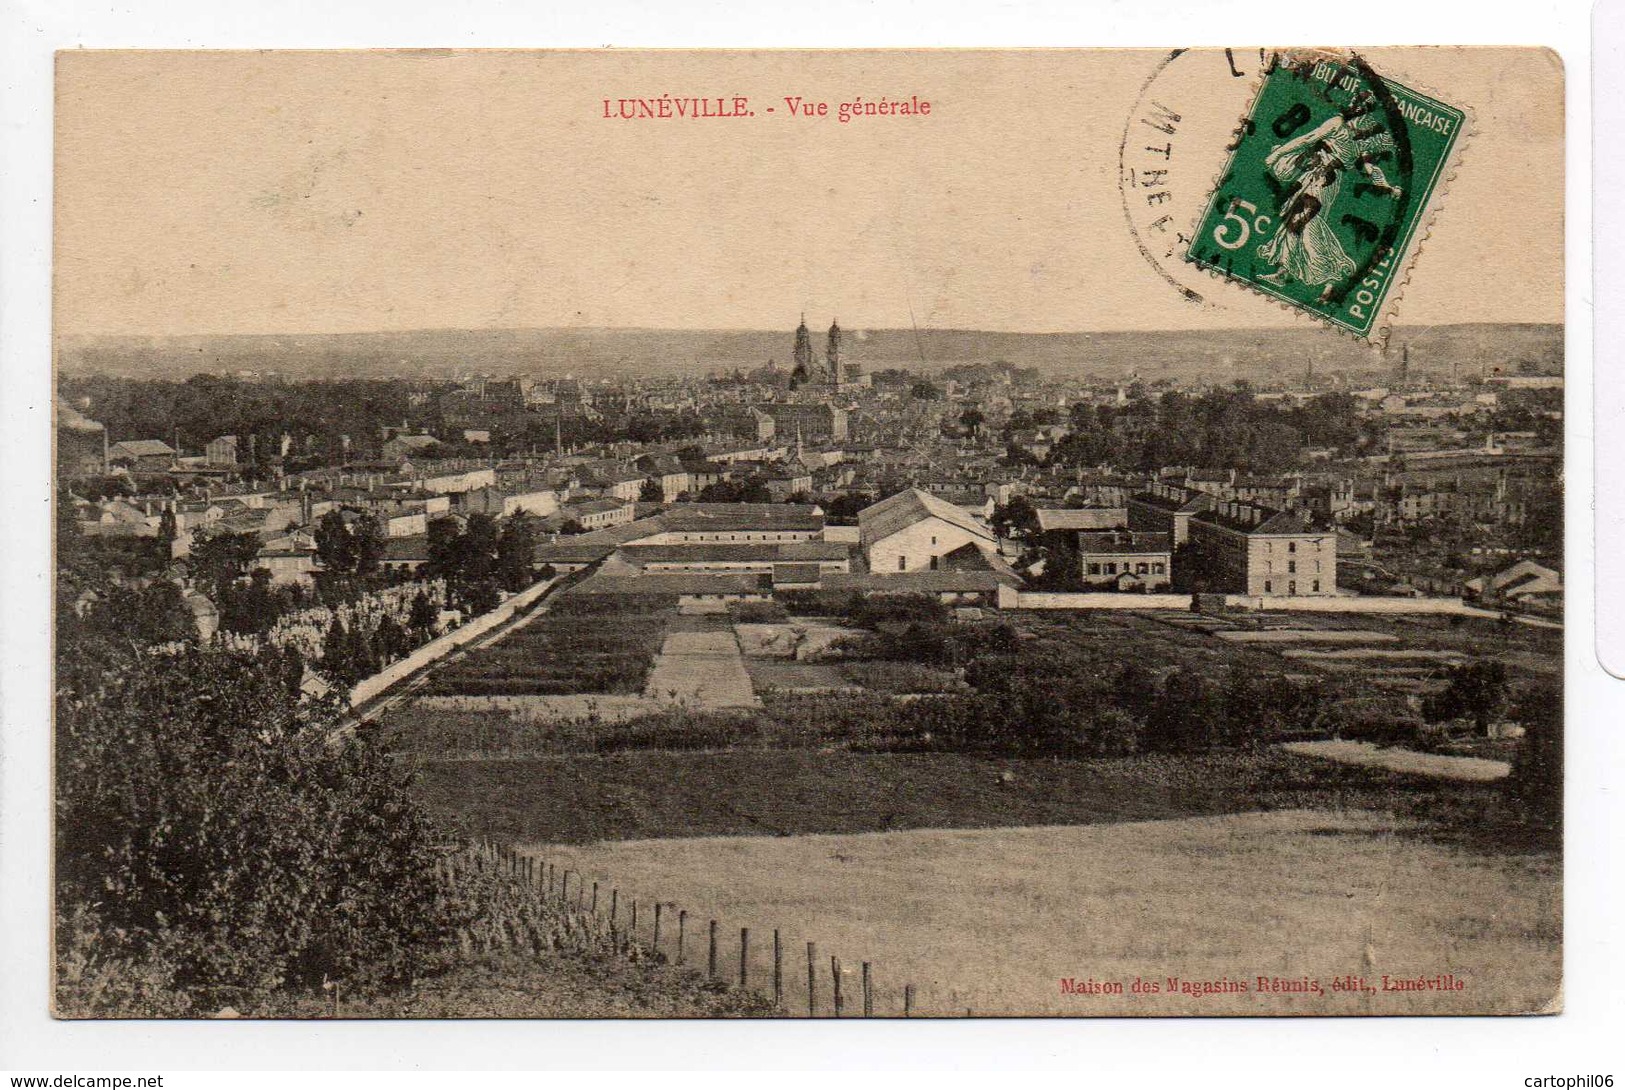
x=552, y=985
x=992, y=920
x=985, y=882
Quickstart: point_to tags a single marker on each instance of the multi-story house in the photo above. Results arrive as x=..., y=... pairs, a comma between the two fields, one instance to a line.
x=1246, y=548
x=1167, y=509
x=1125, y=559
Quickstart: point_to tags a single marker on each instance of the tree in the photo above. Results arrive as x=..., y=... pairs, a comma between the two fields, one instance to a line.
x=168, y=530
x=516, y=552
x=364, y=661
x=1018, y=518
x=651, y=491
x=153, y=614
x=1535, y=786
x=367, y=545
x=1477, y=691
x=1135, y=690
x=334, y=546
x=213, y=826
x=478, y=548
x=423, y=615
x=482, y=597
x=972, y=420
x=250, y=609
x=389, y=640
x=336, y=652
x=221, y=558
x=1187, y=718
x=445, y=554
x=924, y=391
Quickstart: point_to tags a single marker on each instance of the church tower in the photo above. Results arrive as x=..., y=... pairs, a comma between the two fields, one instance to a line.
x=803, y=356
x=832, y=355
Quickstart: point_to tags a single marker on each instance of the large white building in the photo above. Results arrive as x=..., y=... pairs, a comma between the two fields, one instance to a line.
x=913, y=530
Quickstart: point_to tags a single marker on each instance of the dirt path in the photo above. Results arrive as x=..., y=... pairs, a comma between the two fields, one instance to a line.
x=701, y=670
x=1441, y=765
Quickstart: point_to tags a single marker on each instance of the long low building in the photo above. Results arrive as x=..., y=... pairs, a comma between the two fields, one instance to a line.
x=687, y=525
x=1071, y=519
x=825, y=556
x=687, y=588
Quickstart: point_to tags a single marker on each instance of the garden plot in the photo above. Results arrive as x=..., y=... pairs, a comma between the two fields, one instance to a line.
x=1306, y=635
x=558, y=654
x=791, y=676
x=790, y=639
x=701, y=670
x=1381, y=654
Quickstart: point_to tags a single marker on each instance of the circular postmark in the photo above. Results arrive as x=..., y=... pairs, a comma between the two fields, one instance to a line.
x=1174, y=145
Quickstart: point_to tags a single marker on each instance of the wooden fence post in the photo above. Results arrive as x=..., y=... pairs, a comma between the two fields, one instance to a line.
x=595, y=898
x=682, y=927
x=835, y=975
x=744, y=958
x=908, y=1000
x=632, y=926
x=868, y=994
x=614, y=905
x=655, y=946
x=711, y=955
x=812, y=980
x=778, y=971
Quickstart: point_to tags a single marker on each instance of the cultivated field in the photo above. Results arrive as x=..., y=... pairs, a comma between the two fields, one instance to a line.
x=986, y=881
x=992, y=921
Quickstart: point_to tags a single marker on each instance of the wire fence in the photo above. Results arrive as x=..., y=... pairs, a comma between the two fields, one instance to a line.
x=592, y=914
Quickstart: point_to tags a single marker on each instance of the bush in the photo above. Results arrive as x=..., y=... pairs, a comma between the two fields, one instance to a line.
x=875, y=610
x=1535, y=786
x=757, y=612
x=901, y=677
x=213, y=827
x=1114, y=733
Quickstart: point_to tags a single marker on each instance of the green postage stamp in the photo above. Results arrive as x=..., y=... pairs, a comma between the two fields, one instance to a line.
x=1330, y=179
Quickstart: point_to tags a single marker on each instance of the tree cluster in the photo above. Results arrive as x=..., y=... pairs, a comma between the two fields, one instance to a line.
x=1220, y=428
x=481, y=559
x=216, y=830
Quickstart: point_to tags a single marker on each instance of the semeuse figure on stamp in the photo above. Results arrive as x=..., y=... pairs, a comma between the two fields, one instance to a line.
x=1304, y=247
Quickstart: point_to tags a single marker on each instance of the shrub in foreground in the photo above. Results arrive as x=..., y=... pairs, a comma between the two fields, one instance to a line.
x=220, y=832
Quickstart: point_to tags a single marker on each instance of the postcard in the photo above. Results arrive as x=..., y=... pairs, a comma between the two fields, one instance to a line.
x=809, y=534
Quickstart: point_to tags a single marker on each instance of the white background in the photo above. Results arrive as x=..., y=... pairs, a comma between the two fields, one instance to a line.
x=1314, y=1052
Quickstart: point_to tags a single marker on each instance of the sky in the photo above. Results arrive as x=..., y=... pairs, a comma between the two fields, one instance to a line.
x=312, y=192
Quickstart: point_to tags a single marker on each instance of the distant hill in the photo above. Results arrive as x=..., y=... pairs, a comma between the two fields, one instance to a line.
x=1259, y=355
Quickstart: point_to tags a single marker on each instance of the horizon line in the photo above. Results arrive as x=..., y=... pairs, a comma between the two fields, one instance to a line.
x=1295, y=327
